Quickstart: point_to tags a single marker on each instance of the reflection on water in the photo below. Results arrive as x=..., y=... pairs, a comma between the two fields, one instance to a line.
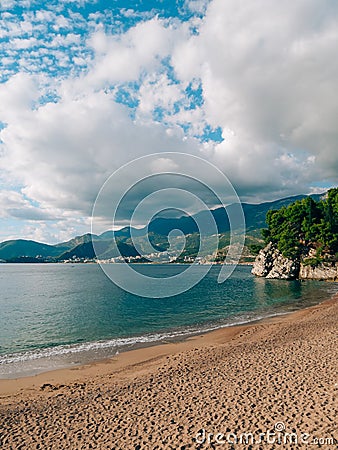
x=287, y=295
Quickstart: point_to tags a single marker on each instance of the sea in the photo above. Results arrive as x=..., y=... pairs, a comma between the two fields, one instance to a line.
x=62, y=315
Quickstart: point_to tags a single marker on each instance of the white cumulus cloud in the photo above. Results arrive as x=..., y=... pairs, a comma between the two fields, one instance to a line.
x=267, y=73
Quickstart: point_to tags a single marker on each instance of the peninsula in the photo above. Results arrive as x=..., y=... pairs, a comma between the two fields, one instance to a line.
x=301, y=240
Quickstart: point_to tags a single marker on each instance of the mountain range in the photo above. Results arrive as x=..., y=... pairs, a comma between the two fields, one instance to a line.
x=81, y=247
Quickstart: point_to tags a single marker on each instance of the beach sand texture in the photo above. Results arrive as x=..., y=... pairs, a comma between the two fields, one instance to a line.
x=279, y=376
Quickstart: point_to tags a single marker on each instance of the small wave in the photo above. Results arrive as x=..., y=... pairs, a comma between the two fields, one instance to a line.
x=125, y=343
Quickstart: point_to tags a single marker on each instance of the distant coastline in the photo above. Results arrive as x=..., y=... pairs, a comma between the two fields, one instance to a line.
x=117, y=245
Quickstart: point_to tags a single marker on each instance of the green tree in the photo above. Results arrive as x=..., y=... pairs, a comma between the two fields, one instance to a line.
x=303, y=225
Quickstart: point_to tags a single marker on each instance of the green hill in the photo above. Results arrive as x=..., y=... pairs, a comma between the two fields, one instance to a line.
x=103, y=249
x=74, y=242
x=20, y=247
x=157, y=232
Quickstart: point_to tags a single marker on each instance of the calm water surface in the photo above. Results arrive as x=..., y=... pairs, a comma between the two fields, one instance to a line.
x=54, y=315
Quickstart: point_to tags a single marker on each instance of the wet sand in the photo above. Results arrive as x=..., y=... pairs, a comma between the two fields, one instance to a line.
x=261, y=385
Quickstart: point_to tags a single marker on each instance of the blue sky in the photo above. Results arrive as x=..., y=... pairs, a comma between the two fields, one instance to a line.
x=51, y=36
x=86, y=86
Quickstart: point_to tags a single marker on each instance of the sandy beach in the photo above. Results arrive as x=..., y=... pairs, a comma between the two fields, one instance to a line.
x=266, y=385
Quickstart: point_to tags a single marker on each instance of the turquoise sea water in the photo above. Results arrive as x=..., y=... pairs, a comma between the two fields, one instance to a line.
x=55, y=315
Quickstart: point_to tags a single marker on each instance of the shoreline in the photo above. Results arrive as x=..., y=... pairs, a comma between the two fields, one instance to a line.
x=275, y=379
x=143, y=353
x=87, y=357
x=73, y=355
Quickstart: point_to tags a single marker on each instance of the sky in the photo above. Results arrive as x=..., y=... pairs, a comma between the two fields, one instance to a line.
x=87, y=86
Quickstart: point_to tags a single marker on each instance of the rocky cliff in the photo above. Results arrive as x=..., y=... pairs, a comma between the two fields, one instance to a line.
x=270, y=263
x=320, y=272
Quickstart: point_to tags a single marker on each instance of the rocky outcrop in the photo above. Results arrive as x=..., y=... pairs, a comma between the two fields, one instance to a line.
x=323, y=271
x=270, y=263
